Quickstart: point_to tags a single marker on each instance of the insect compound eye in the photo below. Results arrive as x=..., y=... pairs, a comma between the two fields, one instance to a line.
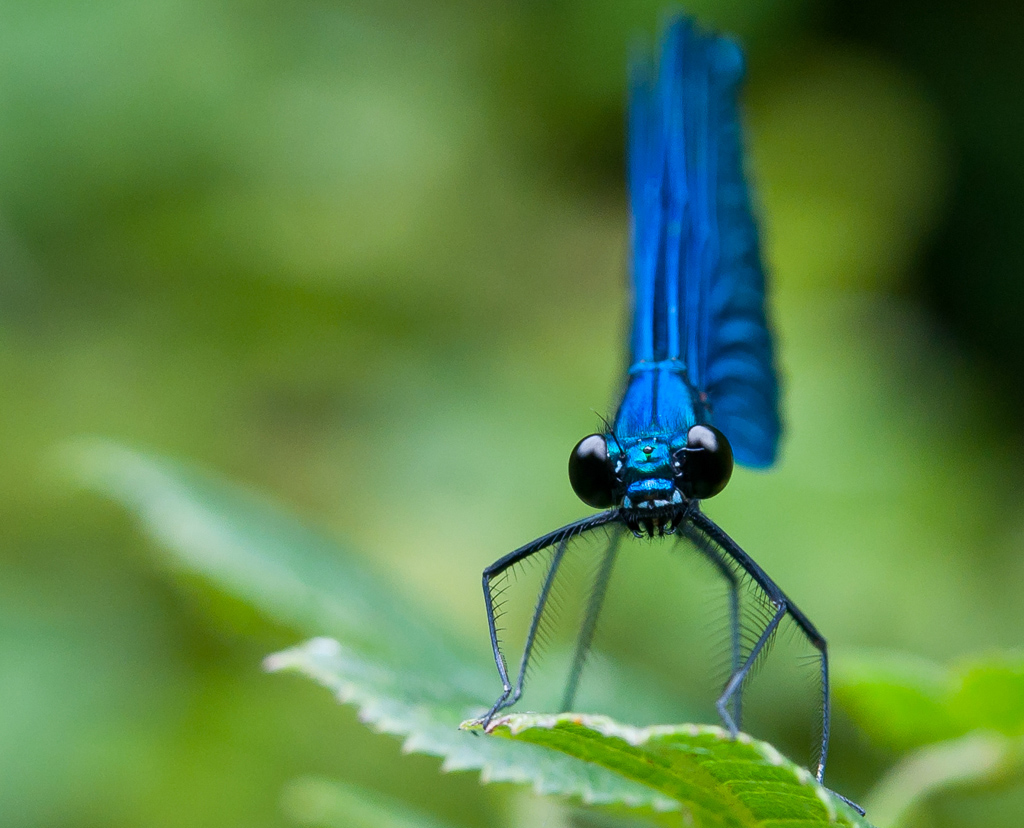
x=706, y=462
x=591, y=473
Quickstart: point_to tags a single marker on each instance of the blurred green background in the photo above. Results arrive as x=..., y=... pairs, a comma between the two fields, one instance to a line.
x=369, y=257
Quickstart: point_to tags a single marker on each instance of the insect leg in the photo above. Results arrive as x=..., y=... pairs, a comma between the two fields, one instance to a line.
x=722, y=565
x=735, y=682
x=589, y=625
x=782, y=605
x=561, y=537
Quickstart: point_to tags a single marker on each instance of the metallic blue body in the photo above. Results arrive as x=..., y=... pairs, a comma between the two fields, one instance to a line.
x=700, y=346
x=701, y=354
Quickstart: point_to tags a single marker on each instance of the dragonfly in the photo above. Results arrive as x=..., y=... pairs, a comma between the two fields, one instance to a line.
x=701, y=388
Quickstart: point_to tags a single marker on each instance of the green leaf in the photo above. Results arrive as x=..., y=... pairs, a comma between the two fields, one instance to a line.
x=898, y=701
x=977, y=760
x=989, y=694
x=247, y=547
x=426, y=709
x=903, y=702
x=409, y=678
x=716, y=780
x=962, y=725
x=695, y=769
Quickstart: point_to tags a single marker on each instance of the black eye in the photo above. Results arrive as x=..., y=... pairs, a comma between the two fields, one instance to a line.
x=591, y=473
x=705, y=463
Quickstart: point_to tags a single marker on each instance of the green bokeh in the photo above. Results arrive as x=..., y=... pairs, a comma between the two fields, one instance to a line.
x=369, y=256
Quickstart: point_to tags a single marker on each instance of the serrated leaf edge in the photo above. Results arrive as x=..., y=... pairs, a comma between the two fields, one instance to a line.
x=517, y=723
x=373, y=713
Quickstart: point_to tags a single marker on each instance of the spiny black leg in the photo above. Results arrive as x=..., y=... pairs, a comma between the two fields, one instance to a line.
x=720, y=563
x=818, y=642
x=734, y=632
x=538, y=611
x=778, y=599
x=826, y=711
x=735, y=681
x=734, y=636
x=499, y=659
x=559, y=536
x=589, y=625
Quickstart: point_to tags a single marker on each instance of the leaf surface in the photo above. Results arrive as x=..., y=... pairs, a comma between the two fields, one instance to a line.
x=716, y=780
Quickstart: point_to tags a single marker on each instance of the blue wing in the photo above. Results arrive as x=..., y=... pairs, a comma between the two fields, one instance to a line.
x=698, y=281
